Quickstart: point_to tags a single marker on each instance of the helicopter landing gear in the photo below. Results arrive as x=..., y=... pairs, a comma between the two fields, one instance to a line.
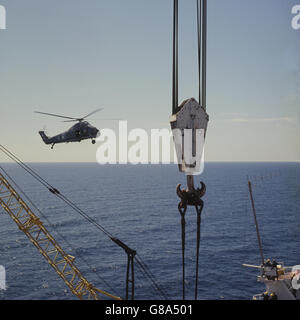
x=93, y=141
x=52, y=145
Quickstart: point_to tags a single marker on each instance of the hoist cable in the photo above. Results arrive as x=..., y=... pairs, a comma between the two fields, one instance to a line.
x=199, y=210
x=199, y=31
x=53, y=190
x=56, y=231
x=191, y=197
x=182, y=207
x=182, y=211
x=151, y=284
x=175, y=58
x=146, y=270
x=204, y=49
x=152, y=277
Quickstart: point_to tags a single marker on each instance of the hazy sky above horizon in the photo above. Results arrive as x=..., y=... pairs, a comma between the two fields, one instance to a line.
x=71, y=57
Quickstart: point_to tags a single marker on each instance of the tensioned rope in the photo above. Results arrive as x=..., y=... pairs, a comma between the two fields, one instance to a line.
x=145, y=269
x=191, y=197
x=55, y=229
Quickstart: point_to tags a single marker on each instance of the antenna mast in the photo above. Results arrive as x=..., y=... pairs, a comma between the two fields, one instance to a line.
x=256, y=224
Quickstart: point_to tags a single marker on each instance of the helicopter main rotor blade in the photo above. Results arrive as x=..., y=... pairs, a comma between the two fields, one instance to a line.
x=101, y=119
x=55, y=115
x=107, y=119
x=92, y=113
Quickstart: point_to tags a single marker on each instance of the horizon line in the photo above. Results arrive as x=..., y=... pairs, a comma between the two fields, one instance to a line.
x=113, y=164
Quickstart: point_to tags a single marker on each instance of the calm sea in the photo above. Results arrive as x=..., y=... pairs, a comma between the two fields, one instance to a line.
x=138, y=204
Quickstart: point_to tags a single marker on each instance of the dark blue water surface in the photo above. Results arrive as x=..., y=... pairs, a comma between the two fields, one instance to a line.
x=138, y=204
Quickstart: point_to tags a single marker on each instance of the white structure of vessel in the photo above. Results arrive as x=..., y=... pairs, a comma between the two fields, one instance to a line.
x=282, y=283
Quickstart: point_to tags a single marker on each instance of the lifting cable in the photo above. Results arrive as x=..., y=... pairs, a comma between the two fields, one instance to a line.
x=191, y=196
x=131, y=254
x=55, y=229
x=52, y=189
x=151, y=277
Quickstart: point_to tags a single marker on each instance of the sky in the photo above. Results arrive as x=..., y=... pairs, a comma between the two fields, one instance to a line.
x=71, y=57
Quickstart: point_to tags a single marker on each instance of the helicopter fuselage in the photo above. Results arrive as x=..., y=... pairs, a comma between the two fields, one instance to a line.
x=78, y=132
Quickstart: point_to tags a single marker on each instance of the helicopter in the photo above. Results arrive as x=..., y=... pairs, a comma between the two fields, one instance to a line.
x=78, y=132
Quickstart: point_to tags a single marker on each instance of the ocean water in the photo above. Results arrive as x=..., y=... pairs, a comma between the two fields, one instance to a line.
x=138, y=204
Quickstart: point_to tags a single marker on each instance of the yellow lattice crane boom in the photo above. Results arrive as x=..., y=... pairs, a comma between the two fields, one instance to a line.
x=34, y=229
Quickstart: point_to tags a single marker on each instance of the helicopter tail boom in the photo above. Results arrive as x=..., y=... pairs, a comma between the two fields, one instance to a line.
x=44, y=137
